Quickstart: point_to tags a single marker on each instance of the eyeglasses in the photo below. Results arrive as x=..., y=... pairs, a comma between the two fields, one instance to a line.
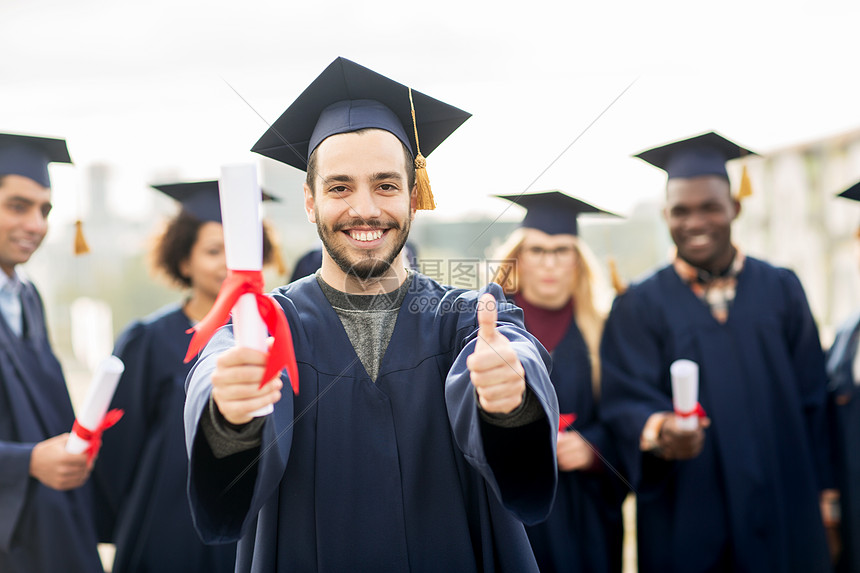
x=563, y=255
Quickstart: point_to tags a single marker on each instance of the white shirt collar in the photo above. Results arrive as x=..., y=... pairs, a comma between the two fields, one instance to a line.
x=14, y=281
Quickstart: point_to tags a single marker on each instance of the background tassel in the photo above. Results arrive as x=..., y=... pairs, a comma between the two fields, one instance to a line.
x=279, y=259
x=745, y=189
x=81, y=246
x=617, y=283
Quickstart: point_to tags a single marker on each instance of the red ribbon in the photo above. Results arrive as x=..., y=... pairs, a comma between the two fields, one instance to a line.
x=282, y=354
x=94, y=437
x=565, y=421
x=697, y=411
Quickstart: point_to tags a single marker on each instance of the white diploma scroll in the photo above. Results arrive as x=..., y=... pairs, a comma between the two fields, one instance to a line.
x=241, y=215
x=97, y=401
x=685, y=392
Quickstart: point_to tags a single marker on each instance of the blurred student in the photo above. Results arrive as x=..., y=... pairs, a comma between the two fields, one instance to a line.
x=742, y=491
x=143, y=466
x=46, y=524
x=550, y=273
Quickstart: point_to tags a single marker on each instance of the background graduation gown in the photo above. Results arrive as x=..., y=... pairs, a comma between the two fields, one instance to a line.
x=844, y=418
x=42, y=530
x=756, y=483
x=397, y=475
x=142, y=470
x=584, y=531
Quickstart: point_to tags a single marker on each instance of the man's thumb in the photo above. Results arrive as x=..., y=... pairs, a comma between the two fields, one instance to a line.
x=487, y=315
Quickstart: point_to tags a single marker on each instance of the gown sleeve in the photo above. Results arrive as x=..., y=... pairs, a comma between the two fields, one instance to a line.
x=225, y=493
x=14, y=479
x=517, y=463
x=808, y=363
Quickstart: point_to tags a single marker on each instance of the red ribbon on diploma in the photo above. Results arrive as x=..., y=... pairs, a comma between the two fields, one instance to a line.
x=697, y=411
x=282, y=354
x=94, y=437
x=565, y=421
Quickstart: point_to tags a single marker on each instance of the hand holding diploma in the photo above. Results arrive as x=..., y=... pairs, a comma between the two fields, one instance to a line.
x=495, y=370
x=94, y=417
x=573, y=452
x=55, y=467
x=242, y=291
x=236, y=387
x=682, y=434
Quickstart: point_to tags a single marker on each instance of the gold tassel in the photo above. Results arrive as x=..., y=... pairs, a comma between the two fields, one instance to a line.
x=422, y=180
x=81, y=246
x=745, y=189
x=279, y=259
x=617, y=283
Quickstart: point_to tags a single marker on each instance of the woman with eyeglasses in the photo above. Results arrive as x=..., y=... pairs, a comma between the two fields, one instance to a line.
x=549, y=272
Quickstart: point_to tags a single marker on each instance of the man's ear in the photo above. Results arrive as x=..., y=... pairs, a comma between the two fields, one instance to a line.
x=413, y=202
x=737, y=206
x=309, y=203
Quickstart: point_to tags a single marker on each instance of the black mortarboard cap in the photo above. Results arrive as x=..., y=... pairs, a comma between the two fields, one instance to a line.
x=852, y=192
x=199, y=198
x=704, y=154
x=347, y=97
x=29, y=155
x=553, y=212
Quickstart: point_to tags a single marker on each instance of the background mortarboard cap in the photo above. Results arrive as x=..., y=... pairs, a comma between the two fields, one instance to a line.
x=704, y=154
x=199, y=198
x=29, y=155
x=553, y=212
x=852, y=192
x=350, y=95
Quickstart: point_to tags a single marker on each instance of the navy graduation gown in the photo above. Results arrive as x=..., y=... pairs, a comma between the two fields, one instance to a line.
x=752, y=493
x=397, y=475
x=42, y=530
x=584, y=531
x=844, y=418
x=142, y=471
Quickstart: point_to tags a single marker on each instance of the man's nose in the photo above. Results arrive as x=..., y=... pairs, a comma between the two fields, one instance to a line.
x=363, y=205
x=36, y=222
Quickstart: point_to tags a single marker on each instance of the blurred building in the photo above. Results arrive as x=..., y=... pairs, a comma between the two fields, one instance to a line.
x=793, y=219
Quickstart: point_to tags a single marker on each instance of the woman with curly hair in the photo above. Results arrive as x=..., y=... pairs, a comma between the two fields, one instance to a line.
x=550, y=273
x=142, y=469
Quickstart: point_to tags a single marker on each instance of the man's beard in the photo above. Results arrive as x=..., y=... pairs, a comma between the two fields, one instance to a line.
x=369, y=265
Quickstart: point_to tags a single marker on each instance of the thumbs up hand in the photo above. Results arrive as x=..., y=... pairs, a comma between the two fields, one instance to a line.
x=495, y=370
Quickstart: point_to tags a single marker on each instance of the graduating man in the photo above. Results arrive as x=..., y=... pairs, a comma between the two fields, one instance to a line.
x=45, y=520
x=423, y=432
x=740, y=492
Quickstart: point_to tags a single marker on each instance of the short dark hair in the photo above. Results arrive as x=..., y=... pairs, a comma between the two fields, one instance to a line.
x=410, y=165
x=173, y=246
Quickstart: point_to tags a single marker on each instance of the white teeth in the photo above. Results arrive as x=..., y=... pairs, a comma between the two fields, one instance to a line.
x=365, y=236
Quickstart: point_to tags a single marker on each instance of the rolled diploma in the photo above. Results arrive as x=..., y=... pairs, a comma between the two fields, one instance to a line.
x=241, y=217
x=96, y=403
x=685, y=391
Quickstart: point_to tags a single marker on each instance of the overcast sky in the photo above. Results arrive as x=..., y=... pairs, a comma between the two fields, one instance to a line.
x=141, y=85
